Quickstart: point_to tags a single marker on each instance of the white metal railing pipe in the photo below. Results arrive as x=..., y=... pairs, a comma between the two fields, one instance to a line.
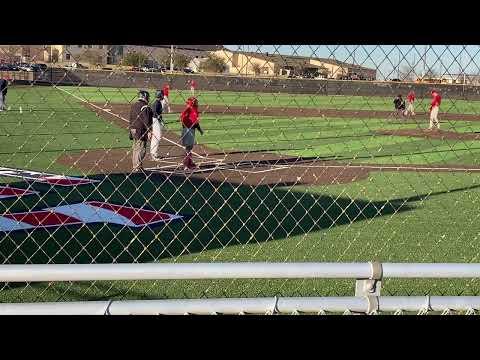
x=253, y=270
x=157, y=271
x=246, y=305
x=432, y=270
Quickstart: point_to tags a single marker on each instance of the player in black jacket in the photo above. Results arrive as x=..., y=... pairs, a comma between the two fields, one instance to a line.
x=3, y=93
x=140, y=128
x=399, y=103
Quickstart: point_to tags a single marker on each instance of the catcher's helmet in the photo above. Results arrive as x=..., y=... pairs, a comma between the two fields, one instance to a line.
x=160, y=94
x=144, y=95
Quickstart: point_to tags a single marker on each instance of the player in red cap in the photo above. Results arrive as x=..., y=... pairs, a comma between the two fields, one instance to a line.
x=165, y=101
x=190, y=121
x=410, y=107
x=434, y=108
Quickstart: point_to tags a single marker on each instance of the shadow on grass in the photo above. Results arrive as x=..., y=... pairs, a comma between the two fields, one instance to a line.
x=221, y=215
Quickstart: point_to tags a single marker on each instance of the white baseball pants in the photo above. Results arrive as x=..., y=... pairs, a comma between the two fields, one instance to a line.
x=157, y=131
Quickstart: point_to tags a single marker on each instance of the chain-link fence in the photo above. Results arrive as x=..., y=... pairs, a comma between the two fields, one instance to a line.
x=294, y=154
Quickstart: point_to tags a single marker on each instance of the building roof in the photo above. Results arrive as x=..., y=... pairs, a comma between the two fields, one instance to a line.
x=192, y=47
x=297, y=61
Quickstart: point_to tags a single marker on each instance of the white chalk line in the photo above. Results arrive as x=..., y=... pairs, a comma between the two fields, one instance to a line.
x=386, y=167
x=120, y=117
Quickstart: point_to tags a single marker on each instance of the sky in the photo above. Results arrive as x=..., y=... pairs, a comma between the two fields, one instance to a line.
x=387, y=59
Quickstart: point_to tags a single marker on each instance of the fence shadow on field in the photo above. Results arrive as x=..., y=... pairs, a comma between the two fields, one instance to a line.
x=222, y=215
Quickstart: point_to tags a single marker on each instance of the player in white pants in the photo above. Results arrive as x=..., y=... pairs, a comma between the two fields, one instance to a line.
x=434, y=108
x=166, y=94
x=158, y=127
x=434, y=118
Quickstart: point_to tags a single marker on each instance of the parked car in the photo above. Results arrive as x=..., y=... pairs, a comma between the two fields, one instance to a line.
x=9, y=67
x=75, y=66
x=188, y=70
x=148, y=69
x=395, y=80
x=39, y=67
x=25, y=67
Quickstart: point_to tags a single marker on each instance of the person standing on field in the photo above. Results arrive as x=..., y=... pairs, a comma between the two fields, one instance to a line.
x=157, y=126
x=166, y=103
x=140, y=128
x=193, y=85
x=399, y=104
x=410, y=106
x=3, y=93
x=434, y=108
x=190, y=120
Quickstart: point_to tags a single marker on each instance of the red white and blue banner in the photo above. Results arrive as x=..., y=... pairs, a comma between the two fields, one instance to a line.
x=7, y=192
x=52, y=179
x=84, y=213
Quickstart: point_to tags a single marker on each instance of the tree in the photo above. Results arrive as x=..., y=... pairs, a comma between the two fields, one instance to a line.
x=180, y=61
x=408, y=72
x=91, y=56
x=134, y=59
x=431, y=73
x=256, y=68
x=214, y=64
x=11, y=53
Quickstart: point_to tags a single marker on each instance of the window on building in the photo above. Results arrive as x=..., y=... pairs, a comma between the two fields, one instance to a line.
x=67, y=56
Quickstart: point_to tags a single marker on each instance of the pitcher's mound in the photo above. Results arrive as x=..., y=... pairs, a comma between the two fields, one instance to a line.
x=431, y=134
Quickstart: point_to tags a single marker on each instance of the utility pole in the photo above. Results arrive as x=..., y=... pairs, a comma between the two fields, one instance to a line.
x=425, y=61
x=171, y=58
x=398, y=66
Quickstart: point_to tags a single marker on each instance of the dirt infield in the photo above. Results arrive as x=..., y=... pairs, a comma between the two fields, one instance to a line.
x=431, y=134
x=237, y=167
x=301, y=112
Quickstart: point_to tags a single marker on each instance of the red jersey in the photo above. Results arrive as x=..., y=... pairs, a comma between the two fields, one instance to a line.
x=189, y=117
x=411, y=97
x=193, y=84
x=166, y=90
x=436, y=99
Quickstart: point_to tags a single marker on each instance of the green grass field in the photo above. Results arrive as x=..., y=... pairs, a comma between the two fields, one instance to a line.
x=35, y=98
x=390, y=216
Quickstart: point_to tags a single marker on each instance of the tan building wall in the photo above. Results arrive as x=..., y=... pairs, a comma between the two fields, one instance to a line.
x=23, y=53
x=73, y=53
x=334, y=71
x=245, y=64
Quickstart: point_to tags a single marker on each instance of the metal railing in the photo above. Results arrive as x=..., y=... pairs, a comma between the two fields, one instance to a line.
x=367, y=297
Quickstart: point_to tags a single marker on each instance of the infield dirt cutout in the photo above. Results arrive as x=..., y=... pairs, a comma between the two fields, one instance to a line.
x=249, y=168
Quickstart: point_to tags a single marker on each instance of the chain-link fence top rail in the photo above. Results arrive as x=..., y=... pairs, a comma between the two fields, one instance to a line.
x=303, y=158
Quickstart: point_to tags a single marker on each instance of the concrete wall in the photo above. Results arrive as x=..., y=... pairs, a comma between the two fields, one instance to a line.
x=253, y=84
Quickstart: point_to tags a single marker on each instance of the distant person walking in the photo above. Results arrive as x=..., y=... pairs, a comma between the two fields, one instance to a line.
x=193, y=86
x=434, y=108
x=3, y=93
x=411, y=100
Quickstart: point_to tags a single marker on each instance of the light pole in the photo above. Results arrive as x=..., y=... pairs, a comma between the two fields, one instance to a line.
x=171, y=58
